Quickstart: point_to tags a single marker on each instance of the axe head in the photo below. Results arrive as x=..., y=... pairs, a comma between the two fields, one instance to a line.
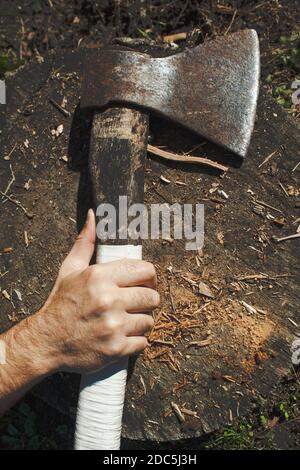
x=211, y=89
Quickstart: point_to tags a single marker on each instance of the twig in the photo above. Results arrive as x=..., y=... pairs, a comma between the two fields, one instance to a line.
x=252, y=277
x=200, y=344
x=231, y=22
x=261, y=203
x=296, y=166
x=64, y=111
x=172, y=300
x=289, y=237
x=260, y=276
x=268, y=158
x=13, y=179
x=161, y=341
x=17, y=203
x=293, y=322
x=7, y=157
x=185, y=158
x=283, y=189
x=143, y=384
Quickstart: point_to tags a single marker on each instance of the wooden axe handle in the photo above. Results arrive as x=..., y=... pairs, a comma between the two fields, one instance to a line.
x=117, y=157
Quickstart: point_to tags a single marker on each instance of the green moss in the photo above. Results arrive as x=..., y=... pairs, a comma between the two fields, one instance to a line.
x=235, y=437
x=9, y=64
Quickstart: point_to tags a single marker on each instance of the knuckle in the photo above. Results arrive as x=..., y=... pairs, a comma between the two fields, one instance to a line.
x=114, y=349
x=106, y=301
x=112, y=324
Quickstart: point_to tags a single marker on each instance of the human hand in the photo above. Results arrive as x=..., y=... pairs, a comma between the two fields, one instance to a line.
x=95, y=314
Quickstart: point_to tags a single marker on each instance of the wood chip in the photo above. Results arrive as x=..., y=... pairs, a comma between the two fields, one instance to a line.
x=200, y=344
x=220, y=238
x=26, y=238
x=222, y=193
x=205, y=290
x=175, y=37
x=248, y=307
x=228, y=378
x=177, y=412
x=28, y=184
x=164, y=179
x=18, y=294
x=188, y=412
x=280, y=221
x=6, y=294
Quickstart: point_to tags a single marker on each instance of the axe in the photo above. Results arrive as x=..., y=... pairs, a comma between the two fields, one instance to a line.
x=212, y=90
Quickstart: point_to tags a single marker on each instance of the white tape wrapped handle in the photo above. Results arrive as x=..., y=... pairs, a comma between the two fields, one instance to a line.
x=101, y=397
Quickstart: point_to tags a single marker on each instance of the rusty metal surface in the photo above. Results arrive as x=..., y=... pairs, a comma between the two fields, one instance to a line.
x=211, y=89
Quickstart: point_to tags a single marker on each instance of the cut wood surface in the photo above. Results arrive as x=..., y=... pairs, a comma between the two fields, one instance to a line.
x=211, y=358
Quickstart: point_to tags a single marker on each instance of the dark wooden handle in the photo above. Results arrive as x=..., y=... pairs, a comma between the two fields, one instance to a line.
x=117, y=158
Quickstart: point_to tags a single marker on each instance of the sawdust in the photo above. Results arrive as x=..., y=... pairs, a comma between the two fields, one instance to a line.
x=187, y=319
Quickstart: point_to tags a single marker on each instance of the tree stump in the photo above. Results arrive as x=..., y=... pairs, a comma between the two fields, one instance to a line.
x=211, y=358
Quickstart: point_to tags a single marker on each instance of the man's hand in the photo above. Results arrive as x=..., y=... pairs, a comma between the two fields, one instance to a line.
x=94, y=315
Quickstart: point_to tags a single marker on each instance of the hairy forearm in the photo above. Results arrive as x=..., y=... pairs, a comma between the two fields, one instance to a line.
x=27, y=360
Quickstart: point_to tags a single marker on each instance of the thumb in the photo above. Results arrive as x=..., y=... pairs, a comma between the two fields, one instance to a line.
x=83, y=248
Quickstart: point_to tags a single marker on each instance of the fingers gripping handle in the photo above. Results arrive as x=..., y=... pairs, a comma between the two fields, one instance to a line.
x=101, y=398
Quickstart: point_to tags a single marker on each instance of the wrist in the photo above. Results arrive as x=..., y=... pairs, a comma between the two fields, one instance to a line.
x=28, y=348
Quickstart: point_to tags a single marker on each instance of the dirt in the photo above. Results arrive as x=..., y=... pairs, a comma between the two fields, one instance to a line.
x=250, y=343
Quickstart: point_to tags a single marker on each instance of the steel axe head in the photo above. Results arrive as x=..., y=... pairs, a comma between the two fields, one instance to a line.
x=211, y=89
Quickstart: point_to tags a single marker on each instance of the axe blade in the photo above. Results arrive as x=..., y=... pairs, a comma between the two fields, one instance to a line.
x=211, y=89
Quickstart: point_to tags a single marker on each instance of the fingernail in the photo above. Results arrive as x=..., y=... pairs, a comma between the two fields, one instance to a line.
x=89, y=216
